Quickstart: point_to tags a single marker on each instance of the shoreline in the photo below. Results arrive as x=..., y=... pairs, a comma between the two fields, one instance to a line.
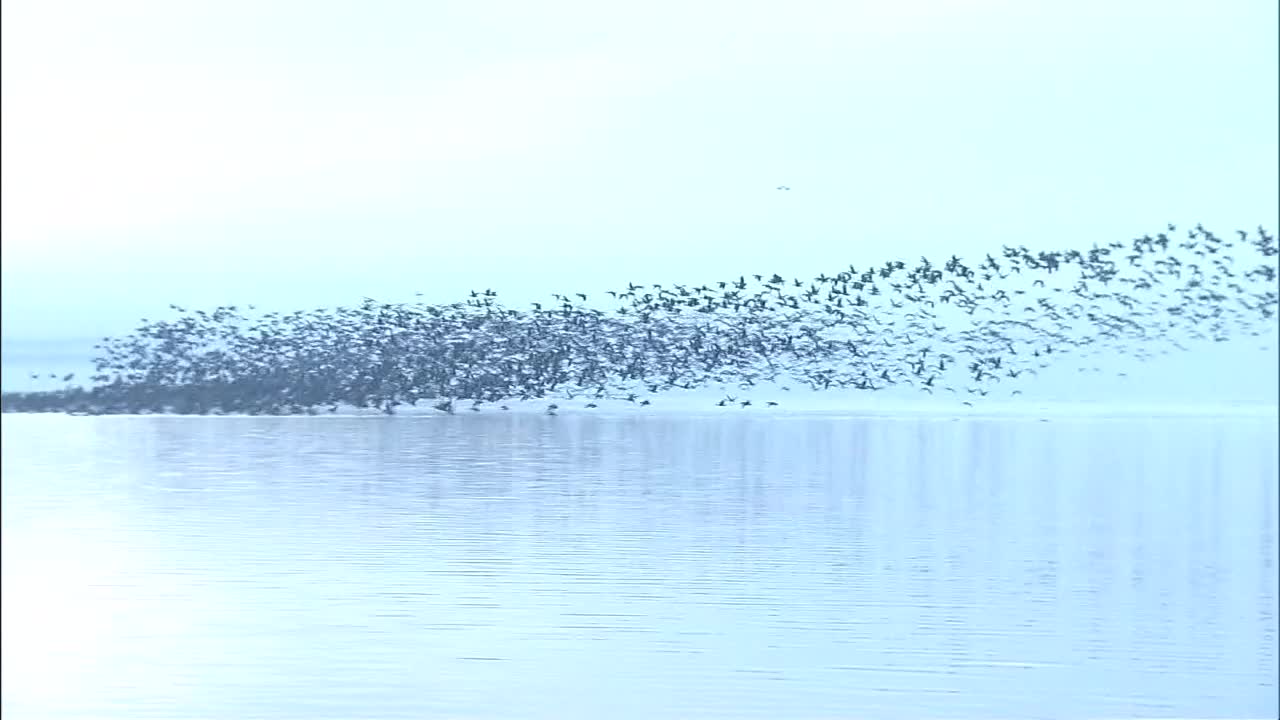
x=705, y=407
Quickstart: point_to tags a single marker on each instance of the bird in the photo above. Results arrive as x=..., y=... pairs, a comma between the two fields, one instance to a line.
x=932, y=326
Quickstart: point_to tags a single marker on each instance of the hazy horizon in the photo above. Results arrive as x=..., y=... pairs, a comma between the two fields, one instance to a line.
x=1037, y=483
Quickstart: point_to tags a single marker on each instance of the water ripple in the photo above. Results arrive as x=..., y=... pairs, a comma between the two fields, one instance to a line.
x=638, y=567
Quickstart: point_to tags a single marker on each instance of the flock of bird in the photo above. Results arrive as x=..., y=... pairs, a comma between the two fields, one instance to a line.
x=958, y=328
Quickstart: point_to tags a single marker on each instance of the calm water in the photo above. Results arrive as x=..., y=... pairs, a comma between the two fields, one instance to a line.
x=642, y=567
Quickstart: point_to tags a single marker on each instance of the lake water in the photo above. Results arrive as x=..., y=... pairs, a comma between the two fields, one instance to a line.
x=522, y=566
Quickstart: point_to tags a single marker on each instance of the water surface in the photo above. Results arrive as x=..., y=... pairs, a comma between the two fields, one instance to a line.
x=638, y=567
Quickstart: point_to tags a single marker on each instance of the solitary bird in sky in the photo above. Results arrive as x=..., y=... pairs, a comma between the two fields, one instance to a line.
x=783, y=187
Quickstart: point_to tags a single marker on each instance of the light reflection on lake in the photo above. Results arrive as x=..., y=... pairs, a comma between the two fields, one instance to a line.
x=574, y=567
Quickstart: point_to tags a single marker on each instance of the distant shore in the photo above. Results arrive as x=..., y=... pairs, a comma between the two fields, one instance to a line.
x=830, y=404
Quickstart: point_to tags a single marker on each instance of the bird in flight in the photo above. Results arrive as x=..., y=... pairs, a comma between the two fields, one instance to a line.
x=783, y=187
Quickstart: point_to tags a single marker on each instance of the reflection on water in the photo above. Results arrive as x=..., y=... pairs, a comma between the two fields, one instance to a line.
x=527, y=566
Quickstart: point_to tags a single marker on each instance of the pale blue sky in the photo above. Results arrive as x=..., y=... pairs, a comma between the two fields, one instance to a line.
x=298, y=154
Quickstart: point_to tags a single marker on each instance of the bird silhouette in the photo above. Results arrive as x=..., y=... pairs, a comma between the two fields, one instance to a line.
x=973, y=325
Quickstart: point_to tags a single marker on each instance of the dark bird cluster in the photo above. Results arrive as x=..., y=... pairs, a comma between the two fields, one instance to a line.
x=968, y=328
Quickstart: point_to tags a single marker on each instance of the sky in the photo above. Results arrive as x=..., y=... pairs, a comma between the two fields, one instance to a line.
x=308, y=154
